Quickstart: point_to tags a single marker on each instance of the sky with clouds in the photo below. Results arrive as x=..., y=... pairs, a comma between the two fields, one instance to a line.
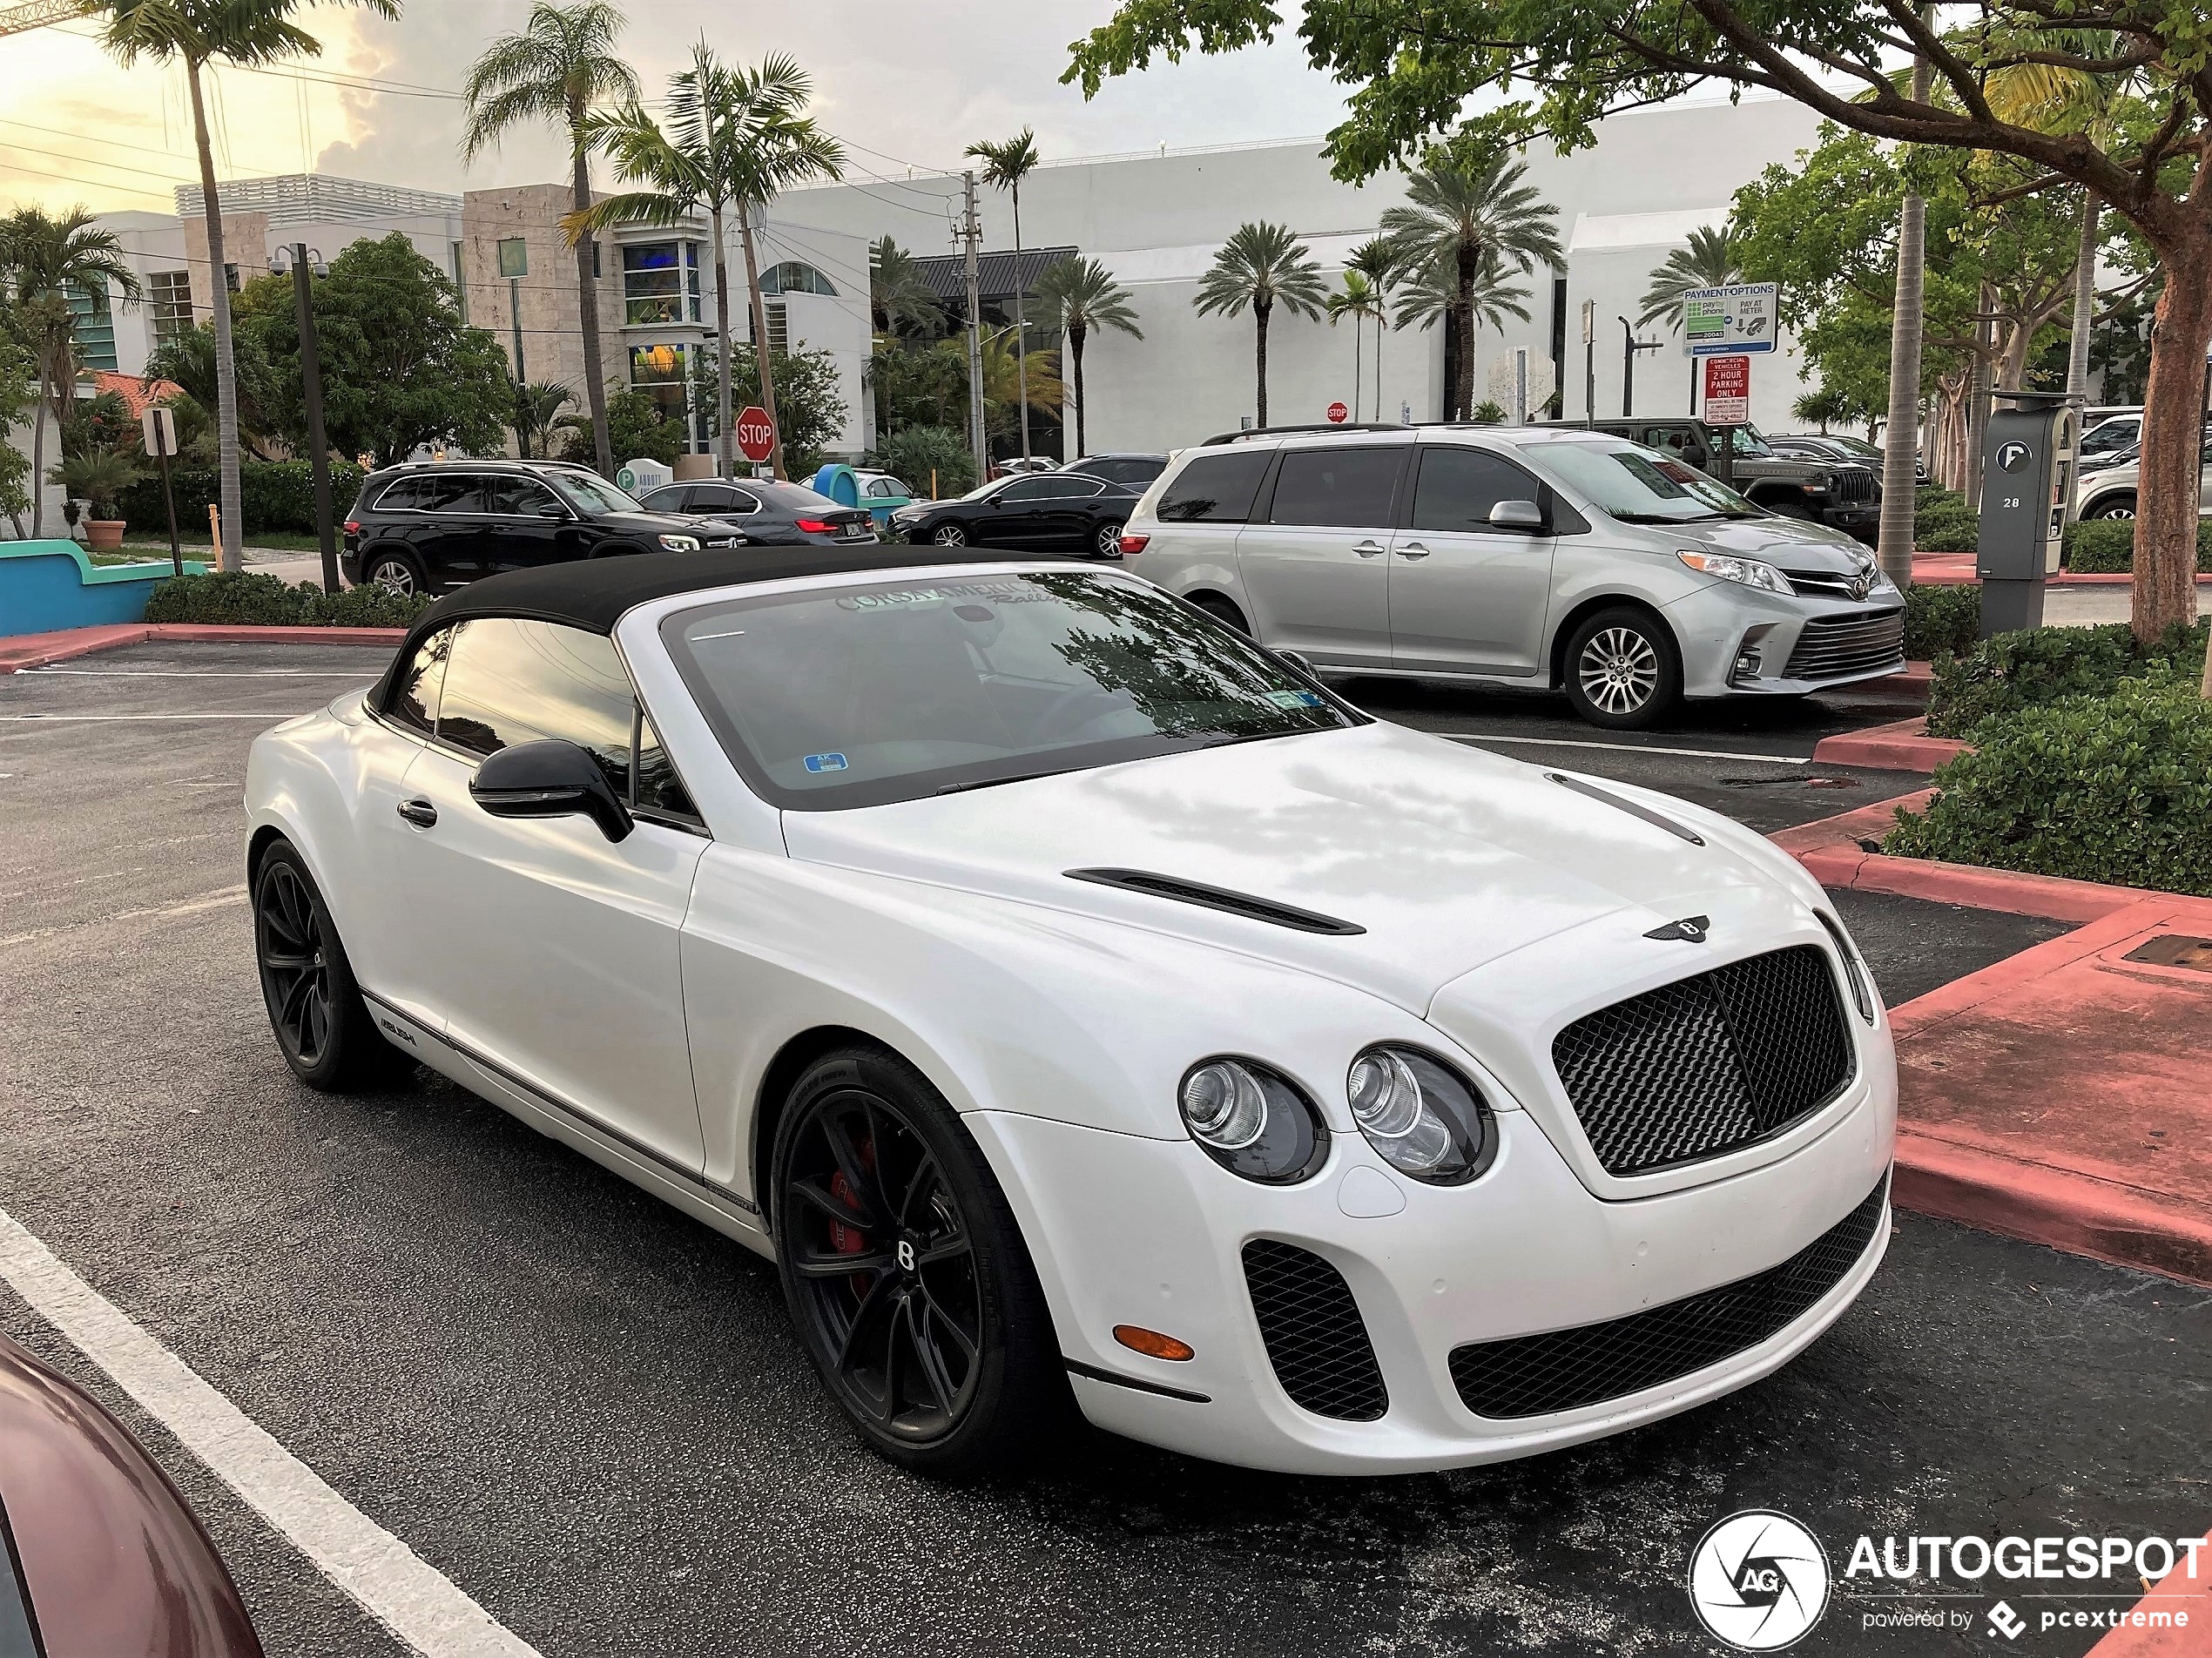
x=904, y=84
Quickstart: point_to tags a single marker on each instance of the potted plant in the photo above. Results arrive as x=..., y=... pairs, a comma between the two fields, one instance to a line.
x=100, y=478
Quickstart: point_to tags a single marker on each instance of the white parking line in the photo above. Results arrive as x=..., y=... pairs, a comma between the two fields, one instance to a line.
x=1625, y=748
x=395, y=1585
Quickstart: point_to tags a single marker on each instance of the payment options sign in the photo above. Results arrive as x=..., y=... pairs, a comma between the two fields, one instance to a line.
x=1726, y=322
x=1727, y=391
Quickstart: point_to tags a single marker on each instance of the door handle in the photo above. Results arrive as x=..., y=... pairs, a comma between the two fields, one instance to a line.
x=1367, y=549
x=1413, y=550
x=420, y=813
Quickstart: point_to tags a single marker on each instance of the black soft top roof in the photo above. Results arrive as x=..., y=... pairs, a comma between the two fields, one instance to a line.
x=595, y=593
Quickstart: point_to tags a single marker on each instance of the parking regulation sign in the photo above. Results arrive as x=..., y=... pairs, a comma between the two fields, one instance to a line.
x=1727, y=391
x=756, y=438
x=1726, y=322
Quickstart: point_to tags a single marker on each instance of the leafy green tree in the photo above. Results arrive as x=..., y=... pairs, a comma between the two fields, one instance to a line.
x=1825, y=406
x=1361, y=301
x=196, y=33
x=1075, y=296
x=1006, y=164
x=901, y=302
x=735, y=139
x=1383, y=263
x=1014, y=380
x=811, y=409
x=399, y=368
x=1432, y=293
x=637, y=426
x=1488, y=72
x=43, y=260
x=188, y=360
x=537, y=410
x=929, y=458
x=919, y=385
x=1260, y=266
x=18, y=398
x=98, y=476
x=559, y=69
x=1466, y=216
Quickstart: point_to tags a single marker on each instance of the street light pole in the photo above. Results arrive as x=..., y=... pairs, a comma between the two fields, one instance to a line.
x=1629, y=346
x=318, y=441
x=971, y=236
x=521, y=375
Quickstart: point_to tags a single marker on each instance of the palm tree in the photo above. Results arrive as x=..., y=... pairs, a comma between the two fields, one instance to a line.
x=1360, y=301
x=736, y=138
x=559, y=69
x=196, y=33
x=537, y=411
x=1433, y=291
x=1013, y=378
x=1262, y=265
x=42, y=259
x=901, y=299
x=1908, y=323
x=1708, y=262
x=1464, y=214
x=1078, y=295
x=1005, y=165
x=1380, y=260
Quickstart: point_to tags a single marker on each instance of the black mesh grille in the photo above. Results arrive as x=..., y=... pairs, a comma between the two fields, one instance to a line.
x=1710, y=1064
x=1842, y=644
x=1565, y=1370
x=1315, y=1337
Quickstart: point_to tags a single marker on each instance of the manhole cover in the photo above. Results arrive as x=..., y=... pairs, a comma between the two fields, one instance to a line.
x=2175, y=950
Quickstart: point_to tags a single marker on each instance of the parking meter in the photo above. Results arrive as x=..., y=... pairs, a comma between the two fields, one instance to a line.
x=2026, y=492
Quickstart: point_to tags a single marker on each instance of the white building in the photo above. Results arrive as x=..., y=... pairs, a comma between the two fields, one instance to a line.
x=1155, y=220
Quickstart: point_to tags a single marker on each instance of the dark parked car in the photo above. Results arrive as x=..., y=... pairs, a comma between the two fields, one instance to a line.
x=1045, y=512
x=767, y=513
x=98, y=1554
x=1138, y=471
x=1827, y=446
x=1843, y=494
x=422, y=528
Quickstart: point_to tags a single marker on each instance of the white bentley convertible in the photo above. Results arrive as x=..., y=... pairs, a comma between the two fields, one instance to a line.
x=1073, y=998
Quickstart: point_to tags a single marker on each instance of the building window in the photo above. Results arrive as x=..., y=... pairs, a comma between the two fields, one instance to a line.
x=779, y=331
x=666, y=374
x=514, y=257
x=95, y=326
x=169, y=304
x=660, y=283
x=794, y=276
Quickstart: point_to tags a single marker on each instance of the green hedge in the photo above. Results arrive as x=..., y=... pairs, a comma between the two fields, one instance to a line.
x=2107, y=546
x=277, y=495
x=2113, y=788
x=254, y=599
x=1941, y=620
x=1947, y=527
x=2015, y=672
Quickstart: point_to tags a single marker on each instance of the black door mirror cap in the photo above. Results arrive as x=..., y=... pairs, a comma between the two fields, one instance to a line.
x=552, y=778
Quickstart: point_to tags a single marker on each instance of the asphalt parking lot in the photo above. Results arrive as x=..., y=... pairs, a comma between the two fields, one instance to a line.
x=587, y=1412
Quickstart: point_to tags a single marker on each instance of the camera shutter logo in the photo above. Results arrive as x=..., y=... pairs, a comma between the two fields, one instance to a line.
x=1758, y=1581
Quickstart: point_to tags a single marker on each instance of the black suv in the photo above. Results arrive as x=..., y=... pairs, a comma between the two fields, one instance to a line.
x=421, y=527
x=1843, y=495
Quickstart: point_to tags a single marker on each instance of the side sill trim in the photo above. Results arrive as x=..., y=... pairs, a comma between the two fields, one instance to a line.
x=583, y=1118
x=1076, y=1366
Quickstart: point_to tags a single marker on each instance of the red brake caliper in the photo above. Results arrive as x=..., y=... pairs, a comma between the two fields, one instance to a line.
x=852, y=1240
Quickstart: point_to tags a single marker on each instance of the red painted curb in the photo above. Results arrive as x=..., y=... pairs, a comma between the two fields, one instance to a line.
x=1957, y=569
x=1903, y=745
x=43, y=650
x=2185, y=1598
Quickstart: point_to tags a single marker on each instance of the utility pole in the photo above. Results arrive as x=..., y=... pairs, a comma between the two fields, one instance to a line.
x=318, y=443
x=1589, y=365
x=971, y=235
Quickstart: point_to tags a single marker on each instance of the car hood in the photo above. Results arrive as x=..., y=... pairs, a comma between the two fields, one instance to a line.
x=1791, y=543
x=1446, y=856
x=650, y=523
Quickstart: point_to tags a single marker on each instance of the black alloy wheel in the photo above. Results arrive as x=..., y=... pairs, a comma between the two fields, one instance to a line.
x=905, y=1271
x=323, y=1028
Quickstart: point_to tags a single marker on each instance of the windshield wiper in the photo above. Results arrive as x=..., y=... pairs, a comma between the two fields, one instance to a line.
x=992, y=783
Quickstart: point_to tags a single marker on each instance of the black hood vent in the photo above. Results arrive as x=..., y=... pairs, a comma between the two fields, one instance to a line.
x=1215, y=897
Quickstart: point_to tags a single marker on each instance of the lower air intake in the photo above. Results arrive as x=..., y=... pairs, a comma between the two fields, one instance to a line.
x=1316, y=1339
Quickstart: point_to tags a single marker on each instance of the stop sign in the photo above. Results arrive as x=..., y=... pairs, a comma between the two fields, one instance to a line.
x=1338, y=414
x=756, y=437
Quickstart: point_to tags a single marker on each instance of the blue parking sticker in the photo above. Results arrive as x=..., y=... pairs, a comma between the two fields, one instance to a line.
x=825, y=762
x=1293, y=699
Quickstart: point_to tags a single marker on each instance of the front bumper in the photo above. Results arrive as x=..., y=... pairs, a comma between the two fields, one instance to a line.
x=1131, y=1230
x=1738, y=641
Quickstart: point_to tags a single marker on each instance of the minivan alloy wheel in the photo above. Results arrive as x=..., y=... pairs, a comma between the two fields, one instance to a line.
x=1618, y=671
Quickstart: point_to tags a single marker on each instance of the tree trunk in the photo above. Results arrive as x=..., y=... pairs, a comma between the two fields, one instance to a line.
x=761, y=355
x=587, y=302
x=1470, y=258
x=38, y=407
x=1260, y=314
x=1908, y=323
x=2085, y=298
x=1978, y=397
x=2012, y=362
x=1075, y=333
x=1358, y=363
x=722, y=412
x=2167, y=498
x=1382, y=327
x=231, y=555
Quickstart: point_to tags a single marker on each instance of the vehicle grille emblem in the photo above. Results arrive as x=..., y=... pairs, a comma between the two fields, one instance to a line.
x=1692, y=929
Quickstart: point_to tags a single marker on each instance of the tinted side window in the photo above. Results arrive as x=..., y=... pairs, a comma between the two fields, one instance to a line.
x=520, y=498
x=415, y=699
x=1347, y=487
x=513, y=682
x=401, y=495
x=1033, y=489
x=1458, y=487
x=668, y=498
x=1082, y=488
x=461, y=492
x=1215, y=488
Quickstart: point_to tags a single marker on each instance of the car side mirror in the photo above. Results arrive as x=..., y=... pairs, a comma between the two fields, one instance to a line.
x=553, y=778
x=554, y=513
x=1297, y=663
x=1517, y=514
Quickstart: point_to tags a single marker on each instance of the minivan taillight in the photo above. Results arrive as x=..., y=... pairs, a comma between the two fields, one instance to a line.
x=1131, y=545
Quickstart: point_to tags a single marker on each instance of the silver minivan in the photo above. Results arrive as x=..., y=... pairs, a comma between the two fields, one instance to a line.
x=1533, y=556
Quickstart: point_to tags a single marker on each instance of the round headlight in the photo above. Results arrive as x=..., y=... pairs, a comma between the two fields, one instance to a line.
x=1253, y=1121
x=1421, y=1116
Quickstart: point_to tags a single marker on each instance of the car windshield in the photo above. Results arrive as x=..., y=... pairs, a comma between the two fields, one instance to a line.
x=1637, y=485
x=792, y=497
x=1746, y=441
x=864, y=695
x=592, y=495
x=991, y=489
